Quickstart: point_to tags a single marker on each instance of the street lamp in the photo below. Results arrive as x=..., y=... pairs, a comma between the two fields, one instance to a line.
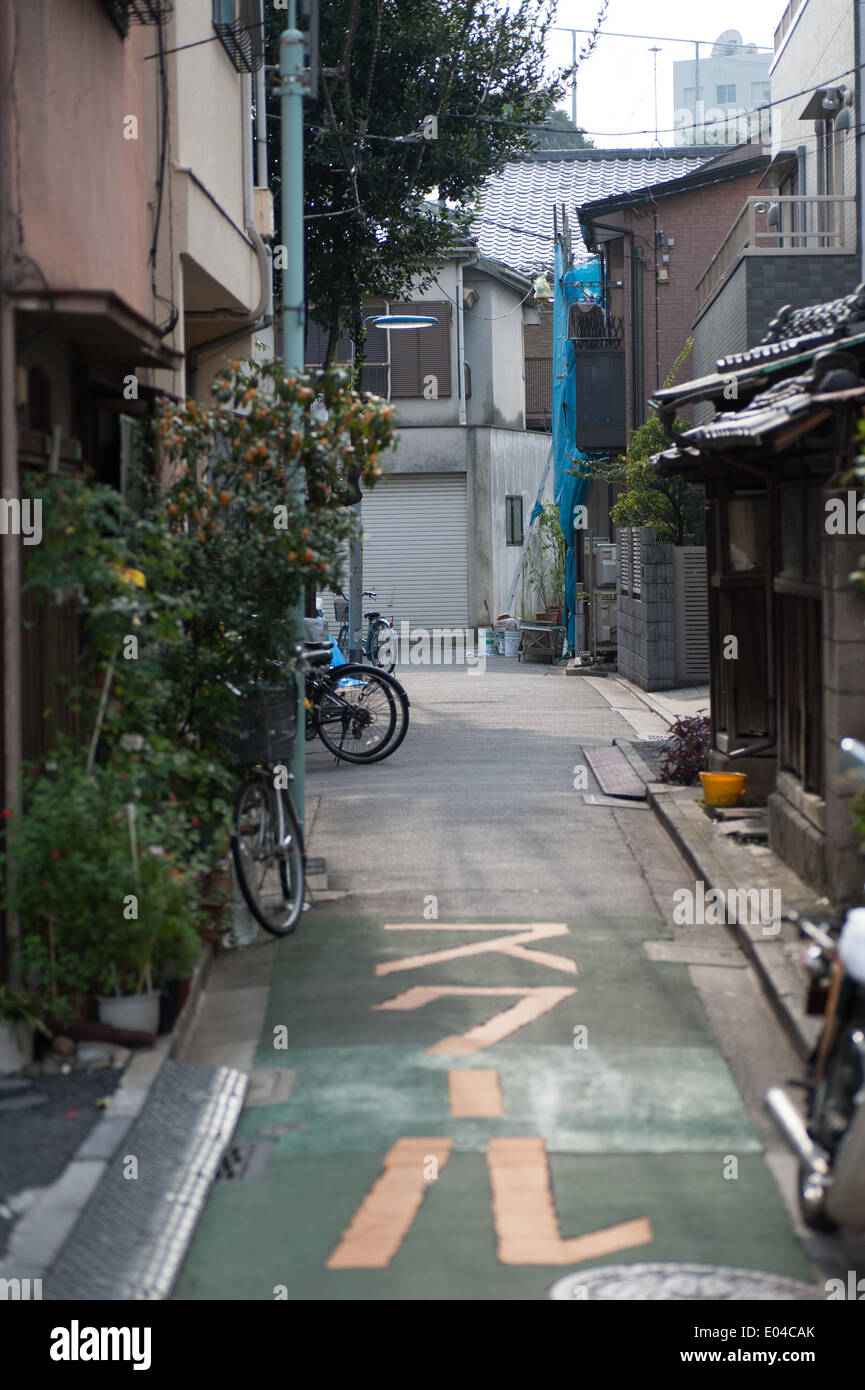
x=355, y=550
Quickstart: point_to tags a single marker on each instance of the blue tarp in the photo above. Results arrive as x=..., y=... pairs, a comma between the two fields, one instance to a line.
x=576, y=283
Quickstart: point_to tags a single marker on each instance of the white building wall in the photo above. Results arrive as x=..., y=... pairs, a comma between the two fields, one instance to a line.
x=747, y=72
x=516, y=467
x=819, y=45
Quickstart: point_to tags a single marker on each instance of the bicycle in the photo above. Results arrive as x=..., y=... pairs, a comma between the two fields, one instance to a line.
x=360, y=715
x=379, y=645
x=267, y=842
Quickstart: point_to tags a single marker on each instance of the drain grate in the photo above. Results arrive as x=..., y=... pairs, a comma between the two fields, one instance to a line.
x=244, y=1162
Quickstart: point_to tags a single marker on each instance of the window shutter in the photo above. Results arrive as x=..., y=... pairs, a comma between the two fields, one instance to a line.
x=423, y=352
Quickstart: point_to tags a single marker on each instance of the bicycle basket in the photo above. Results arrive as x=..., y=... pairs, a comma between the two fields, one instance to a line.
x=340, y=610
x=265, y=726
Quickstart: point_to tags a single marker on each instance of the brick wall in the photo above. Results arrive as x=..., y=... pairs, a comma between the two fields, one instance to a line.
x=697, y=221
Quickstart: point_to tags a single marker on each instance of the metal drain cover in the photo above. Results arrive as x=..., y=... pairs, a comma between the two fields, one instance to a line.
x=244, y=1162
x=685, y=1283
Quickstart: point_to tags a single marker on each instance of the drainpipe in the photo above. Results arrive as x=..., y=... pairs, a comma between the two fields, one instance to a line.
x=461, y=344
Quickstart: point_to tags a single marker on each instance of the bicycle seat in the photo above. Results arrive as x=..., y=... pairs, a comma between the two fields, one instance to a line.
x=318, y=656
x=369, y=616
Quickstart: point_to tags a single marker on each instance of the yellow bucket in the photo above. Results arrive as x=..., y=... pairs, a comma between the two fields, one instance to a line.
x=724, y=788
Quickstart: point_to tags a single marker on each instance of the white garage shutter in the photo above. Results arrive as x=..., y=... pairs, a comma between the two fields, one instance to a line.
x=415, y=553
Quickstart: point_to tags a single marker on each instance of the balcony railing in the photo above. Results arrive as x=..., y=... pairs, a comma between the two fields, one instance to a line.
x=789, y=226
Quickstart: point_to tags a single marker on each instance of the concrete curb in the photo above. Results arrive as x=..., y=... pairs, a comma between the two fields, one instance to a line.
x=722, y=865
x=40, y=1235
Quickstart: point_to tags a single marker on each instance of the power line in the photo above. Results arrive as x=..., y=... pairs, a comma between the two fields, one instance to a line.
x=665, y=38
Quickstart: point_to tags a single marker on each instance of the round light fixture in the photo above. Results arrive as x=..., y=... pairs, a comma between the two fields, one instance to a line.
x=402, y=321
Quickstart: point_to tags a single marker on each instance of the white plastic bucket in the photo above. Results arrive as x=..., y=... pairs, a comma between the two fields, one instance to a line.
x=512, y=643
x=137, y=1012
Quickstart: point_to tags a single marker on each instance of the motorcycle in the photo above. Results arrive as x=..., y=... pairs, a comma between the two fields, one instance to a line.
x=830, y=1141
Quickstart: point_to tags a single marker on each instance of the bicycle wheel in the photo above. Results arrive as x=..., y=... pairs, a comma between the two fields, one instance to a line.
x=400, y=695
x=381, y=645
x=359, y=714
x=268, y=858
x=342, y=639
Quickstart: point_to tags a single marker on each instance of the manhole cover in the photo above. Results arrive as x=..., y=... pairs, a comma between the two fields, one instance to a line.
x=685, y=1283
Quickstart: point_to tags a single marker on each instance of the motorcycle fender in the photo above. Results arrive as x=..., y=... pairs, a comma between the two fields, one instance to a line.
x=845, y=1198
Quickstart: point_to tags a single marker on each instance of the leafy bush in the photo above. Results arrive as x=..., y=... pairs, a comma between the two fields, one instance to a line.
x=685, y=751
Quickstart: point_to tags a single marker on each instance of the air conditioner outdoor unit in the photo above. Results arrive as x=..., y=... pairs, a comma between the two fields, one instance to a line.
x=605, y=568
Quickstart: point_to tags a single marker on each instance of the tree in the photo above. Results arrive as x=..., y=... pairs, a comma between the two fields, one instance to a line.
x=372, y=224
x=560, y=133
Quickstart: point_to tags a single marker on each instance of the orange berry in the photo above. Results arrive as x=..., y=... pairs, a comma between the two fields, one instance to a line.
x=201, y=536
x=224, y=498
x=250, y=455
x=248, y=477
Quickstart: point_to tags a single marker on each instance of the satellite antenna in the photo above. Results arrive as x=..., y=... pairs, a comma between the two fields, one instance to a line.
x=727, y=43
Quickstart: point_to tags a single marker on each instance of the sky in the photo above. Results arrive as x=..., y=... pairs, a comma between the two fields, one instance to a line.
x=615, y=91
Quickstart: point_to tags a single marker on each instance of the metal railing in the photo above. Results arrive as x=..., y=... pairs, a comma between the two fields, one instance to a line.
x=790, y=226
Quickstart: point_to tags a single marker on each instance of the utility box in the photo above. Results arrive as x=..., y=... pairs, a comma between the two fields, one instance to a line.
x=605, y=566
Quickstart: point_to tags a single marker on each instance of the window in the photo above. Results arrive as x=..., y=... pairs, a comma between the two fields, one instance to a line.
x=514, y=520
x=238, y=24
x=421, y=358
x=725, y=94
x=760, y=93
x=689, y=95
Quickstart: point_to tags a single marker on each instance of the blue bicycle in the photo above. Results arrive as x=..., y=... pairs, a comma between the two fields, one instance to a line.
x=380, y=644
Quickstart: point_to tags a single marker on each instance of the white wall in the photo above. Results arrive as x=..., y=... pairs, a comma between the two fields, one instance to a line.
x=516, y=462
x=818, y=47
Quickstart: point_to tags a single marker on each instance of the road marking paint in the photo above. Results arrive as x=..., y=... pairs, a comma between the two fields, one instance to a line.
x=524, y=1213
x=472, y=926
x=503, y=945
x=536, y=1000
x=381, y=1222
x=475, y=1092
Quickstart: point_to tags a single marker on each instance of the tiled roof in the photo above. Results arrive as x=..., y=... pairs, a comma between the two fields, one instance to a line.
x=515, y=215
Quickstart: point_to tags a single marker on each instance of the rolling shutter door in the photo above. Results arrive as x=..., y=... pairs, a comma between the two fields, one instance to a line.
x=415, y=553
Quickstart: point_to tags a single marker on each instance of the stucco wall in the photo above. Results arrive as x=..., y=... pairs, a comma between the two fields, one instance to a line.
x=84, y=187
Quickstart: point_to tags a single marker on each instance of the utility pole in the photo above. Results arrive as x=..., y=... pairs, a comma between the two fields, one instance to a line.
x=291, y=93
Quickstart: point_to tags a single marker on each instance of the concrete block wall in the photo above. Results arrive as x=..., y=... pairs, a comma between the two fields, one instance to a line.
x=646, y=636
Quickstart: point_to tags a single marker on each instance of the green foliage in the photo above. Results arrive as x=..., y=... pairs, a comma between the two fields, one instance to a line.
x=671, y=505
x=545, y=558
x=560, y=133
x=478, y=66
x=23, y=1006
x=75, y=880
x=188, y=589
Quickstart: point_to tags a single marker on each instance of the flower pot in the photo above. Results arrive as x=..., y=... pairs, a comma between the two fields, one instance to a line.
x=16, y=1045
x=138, y=1013
x=724, y=788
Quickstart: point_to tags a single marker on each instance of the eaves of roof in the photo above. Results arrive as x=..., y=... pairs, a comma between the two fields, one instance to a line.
x=640, y=152
x=753, y=374
x=703, y=177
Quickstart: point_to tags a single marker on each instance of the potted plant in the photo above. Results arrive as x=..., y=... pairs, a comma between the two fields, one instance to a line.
x=103, y=909
x=546, y=564
x=21, y=1015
